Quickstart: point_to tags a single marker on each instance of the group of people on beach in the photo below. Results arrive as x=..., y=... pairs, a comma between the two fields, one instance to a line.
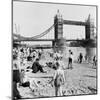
x=87, y=59
x=23, y=55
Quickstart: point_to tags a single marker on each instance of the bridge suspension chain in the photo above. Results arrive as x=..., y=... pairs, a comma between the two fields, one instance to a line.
x=44, y=33
x=36, y=36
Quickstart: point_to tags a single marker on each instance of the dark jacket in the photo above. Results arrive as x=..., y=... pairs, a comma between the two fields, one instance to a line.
x=36, y=67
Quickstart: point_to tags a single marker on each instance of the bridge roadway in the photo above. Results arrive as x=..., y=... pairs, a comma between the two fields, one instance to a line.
x=67, y=40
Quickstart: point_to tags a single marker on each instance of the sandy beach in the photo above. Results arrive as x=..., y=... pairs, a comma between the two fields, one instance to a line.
x=79, y=80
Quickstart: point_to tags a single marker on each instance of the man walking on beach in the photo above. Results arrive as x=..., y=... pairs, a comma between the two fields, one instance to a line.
x=80, y=58
x=70, y=59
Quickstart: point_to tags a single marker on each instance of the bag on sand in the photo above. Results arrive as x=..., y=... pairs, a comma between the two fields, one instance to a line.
x=59, y=80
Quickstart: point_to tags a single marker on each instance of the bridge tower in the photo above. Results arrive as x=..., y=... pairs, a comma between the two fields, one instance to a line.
x=88, y=29
x=58, y=29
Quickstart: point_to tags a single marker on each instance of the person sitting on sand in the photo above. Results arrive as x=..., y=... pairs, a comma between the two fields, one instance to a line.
x=37, y=67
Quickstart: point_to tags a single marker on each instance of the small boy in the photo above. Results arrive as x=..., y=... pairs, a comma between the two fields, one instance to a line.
x=59, y=80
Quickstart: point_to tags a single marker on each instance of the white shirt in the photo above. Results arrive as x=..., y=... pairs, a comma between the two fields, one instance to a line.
x=70, y=55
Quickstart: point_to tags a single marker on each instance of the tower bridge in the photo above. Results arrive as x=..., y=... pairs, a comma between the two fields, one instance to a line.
x=58, y=30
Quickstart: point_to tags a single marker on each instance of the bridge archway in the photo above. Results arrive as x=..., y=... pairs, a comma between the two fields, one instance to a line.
x=59, y=22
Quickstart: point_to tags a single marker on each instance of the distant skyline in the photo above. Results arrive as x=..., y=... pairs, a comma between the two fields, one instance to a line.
x=33, y=18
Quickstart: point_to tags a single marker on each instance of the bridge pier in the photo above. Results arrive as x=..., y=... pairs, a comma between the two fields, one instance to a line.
x=59, y=45
x=58, y=22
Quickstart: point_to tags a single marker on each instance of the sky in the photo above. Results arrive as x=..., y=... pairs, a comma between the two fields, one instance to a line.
x=31, y=18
